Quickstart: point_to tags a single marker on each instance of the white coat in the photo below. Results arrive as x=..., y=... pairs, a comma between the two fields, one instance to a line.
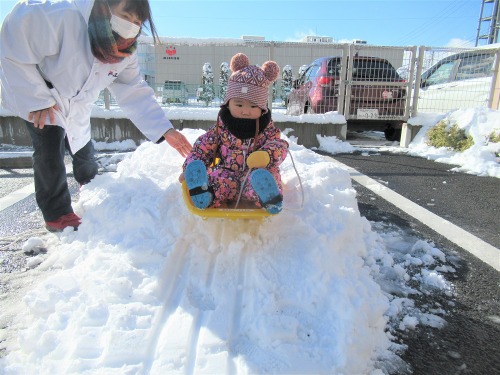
x=48, y=40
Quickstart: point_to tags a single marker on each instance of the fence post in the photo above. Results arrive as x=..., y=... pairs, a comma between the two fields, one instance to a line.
x=409, y=83
x=107, y=98
x=270, y=90
x=494, y=98
x=345, y=81
x=418, y=79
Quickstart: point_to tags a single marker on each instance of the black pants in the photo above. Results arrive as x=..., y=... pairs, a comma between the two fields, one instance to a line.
x=51, y=185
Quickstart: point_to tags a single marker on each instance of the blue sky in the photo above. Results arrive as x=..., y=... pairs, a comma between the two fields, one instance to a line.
x=390, y=22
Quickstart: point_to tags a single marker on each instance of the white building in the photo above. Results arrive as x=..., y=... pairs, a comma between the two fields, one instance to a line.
x=317, y=39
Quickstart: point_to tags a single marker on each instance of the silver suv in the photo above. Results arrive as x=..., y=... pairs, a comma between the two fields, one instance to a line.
x=462, y=80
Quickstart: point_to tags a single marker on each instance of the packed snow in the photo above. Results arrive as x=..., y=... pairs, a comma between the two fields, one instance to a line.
x=144, y=286
x=482, y=159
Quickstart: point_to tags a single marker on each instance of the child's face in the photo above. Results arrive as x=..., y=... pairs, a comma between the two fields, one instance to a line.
x=243, y=108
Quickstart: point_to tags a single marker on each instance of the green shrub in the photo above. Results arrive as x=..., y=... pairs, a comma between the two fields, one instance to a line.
x=451, y=137
x=493, y=137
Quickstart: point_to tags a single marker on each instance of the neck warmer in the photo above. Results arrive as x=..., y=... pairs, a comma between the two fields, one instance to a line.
x=243, y=128
x=107, y=46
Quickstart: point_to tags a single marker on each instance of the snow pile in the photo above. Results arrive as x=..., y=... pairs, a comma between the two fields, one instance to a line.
x=480, y=159
x=145, y=287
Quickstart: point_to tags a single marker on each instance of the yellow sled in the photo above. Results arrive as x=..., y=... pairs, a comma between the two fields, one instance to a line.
x=246, y=210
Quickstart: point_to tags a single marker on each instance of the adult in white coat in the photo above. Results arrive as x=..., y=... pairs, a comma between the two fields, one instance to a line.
x=55, y=58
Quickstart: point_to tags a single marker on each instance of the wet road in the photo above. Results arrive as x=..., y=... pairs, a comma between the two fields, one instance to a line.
x=468, y=344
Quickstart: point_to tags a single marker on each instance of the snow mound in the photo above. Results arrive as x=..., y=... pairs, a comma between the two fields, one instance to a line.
x=145, y=287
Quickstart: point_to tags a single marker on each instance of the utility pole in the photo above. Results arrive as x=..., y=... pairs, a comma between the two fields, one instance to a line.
x=492, y=20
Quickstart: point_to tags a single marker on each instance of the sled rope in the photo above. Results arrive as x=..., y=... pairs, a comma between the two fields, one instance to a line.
x=242, y=187
x=300, y=183
x=253, y=144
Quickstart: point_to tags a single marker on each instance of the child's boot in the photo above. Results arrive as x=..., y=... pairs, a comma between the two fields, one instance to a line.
x=267, y=190
x=197, y=183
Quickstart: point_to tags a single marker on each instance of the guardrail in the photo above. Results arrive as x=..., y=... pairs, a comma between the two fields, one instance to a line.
x=13, y=130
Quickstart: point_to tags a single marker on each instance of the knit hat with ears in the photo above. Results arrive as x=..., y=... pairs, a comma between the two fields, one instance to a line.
x=249, y=81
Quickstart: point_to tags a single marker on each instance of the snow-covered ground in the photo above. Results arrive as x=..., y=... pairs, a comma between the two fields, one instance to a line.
x=146, y=287
x=481, y=159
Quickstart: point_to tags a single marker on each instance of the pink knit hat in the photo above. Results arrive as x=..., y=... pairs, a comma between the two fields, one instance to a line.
x=249, y=81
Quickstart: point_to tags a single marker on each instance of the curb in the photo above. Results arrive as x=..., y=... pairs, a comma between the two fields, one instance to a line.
x=21, y=162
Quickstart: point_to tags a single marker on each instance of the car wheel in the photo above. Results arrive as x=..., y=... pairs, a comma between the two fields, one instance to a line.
x=392, y=134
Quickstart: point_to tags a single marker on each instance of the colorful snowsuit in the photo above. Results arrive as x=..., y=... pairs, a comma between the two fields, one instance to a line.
x=226, y=177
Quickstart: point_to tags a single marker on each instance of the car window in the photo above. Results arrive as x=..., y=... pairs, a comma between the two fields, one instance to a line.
x=312, y=72
x=334, y=67
x=475, y=66
x=302, y=77
x=441, y=75
x=366, y=70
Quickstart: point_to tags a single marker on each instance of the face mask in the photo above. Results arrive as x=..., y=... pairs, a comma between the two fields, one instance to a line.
x=124, y=28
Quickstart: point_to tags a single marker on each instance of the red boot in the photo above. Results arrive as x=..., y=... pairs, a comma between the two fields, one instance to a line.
x=68, y=220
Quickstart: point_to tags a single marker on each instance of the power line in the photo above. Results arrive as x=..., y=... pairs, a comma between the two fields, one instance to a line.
x=444, y=14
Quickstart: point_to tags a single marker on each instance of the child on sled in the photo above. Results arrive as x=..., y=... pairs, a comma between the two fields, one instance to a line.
x=245, y=143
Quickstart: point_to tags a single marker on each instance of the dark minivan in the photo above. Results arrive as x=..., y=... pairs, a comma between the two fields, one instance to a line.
x=317, y=89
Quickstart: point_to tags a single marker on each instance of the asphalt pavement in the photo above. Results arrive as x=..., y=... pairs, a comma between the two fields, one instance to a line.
x=466, y=200
x=468, y=344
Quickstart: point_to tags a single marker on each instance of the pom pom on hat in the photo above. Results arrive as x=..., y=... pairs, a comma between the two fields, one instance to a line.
x=239, y=61
x=249, y=81
x=271, y=70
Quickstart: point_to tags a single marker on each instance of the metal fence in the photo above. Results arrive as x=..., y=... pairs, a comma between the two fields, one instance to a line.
x=362, y=82
x=450, y=79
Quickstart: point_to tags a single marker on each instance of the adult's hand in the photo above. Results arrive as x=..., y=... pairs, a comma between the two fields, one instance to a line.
x=178, y=141
x=39, y=117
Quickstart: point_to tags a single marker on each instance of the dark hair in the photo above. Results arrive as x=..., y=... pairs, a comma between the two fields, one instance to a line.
x=143, y=11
